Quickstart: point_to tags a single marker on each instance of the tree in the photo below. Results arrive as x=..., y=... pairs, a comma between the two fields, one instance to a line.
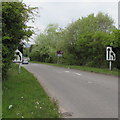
x=46, y=44
x=115, y=43
x=15, y=15
x=84, y=42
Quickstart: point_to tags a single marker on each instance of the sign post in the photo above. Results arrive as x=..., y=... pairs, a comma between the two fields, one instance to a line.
x=110, y=56
x=110, y=65
x=59, y=54
x=19, y=68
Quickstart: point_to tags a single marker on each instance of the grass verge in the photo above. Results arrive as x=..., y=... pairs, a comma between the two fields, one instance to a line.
x=23, y=97
x=84, y=68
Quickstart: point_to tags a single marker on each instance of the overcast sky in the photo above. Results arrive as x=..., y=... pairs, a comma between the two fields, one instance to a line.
x=65, y=11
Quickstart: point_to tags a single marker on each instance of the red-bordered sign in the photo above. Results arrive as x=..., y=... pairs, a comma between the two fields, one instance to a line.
x=60, y=52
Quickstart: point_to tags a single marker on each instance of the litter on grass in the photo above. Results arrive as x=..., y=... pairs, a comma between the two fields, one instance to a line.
x=37, y=102
x=10, y=106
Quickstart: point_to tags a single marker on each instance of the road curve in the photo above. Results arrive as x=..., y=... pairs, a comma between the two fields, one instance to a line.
x=80, y=94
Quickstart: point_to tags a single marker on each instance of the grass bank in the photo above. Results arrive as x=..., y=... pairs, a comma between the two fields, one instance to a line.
x=84, y=68
x=23, y=97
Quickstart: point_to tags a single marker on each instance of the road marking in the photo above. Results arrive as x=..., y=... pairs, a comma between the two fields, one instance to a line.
x=67, y=71
x=91, y=82
x=77, y=74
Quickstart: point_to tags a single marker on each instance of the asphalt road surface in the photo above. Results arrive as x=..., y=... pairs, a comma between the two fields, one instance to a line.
x=80, y=94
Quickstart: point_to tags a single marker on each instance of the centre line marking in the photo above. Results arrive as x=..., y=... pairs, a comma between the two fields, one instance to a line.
x=77, y=74
x=67, y=71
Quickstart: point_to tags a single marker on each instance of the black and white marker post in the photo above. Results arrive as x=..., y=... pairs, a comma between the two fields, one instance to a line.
x=110, y=56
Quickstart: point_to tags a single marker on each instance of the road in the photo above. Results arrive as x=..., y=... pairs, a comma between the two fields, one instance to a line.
x=80, y=94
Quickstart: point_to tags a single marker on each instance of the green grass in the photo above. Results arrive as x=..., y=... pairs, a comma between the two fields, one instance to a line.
x=27, y=97
x=84, y=68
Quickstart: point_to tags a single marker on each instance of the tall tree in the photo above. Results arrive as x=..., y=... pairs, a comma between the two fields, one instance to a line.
x=15, y=15
x=84, y=36
x=84, y=41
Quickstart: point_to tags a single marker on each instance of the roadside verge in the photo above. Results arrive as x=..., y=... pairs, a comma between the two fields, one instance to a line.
x=114, y=72
x=24, y=97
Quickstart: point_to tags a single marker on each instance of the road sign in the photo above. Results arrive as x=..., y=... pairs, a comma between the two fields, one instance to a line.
x=59, y=52
x=18, y=59
x=59, y=55
x=110, y=55
x=18, y=56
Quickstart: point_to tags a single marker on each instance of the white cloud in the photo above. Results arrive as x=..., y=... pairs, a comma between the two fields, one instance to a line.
x=63, y=13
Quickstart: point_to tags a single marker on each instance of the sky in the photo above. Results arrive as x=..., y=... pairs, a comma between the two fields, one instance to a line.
x=63, y=12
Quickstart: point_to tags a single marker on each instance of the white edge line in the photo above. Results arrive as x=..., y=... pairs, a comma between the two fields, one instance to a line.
x=67, y=71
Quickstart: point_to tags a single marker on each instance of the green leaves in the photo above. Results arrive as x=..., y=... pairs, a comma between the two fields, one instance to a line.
x=84, y=41
x=14, y=29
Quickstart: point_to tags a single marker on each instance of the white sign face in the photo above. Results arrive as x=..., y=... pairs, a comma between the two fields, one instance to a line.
x=59, y=55
x=110, y=55
x=18, y=58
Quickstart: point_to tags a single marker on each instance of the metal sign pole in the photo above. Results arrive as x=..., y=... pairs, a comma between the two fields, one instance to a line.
x=58, y=60
x=19, y=64
x=110, y=56
x=59, y=54
x=19, y=68
x=110, y=65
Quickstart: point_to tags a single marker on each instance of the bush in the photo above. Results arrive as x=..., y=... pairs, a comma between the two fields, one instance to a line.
x=14, y=29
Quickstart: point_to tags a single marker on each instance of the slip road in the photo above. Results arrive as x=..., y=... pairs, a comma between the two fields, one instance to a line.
x=80, y=94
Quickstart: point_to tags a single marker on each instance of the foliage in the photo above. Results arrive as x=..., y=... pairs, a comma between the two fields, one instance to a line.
x=15, y=15
x=46, y=45
x=83, y=41
x=115, y=42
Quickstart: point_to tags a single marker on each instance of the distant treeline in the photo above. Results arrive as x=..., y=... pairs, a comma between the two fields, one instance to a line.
x=83, y=41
